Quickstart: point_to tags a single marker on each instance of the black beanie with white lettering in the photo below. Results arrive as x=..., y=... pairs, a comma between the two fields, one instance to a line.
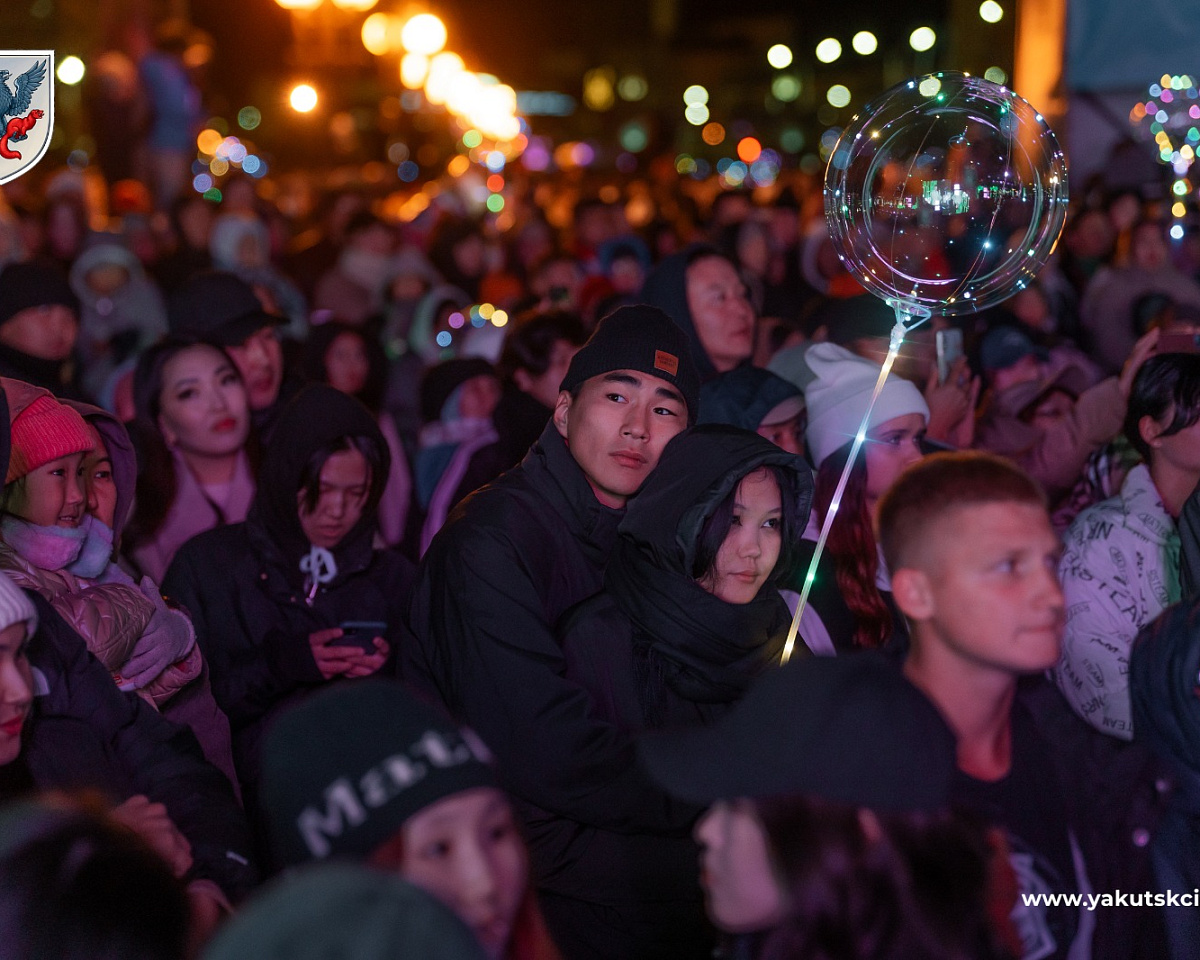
x=345, y=769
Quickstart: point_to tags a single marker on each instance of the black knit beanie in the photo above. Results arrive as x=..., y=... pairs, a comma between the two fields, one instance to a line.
x=26, y=285
x=344, y=770
x=640, y=338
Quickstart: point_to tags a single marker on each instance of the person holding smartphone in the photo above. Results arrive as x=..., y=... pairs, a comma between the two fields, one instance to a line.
x=297, y=596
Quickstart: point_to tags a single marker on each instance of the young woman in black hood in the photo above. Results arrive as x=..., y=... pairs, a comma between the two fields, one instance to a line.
x=270, y=597
x=690, y=613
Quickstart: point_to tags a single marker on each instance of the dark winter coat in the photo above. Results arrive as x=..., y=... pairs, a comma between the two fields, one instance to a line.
x=1163, y=667
x=511, y=559
x=246, y=591
x=85, y=734
x=656, y=649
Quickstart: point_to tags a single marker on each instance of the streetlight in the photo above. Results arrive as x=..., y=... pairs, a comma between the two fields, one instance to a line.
x=303, y=98
x=355, y=6
x=298, y=4
x=424, y=34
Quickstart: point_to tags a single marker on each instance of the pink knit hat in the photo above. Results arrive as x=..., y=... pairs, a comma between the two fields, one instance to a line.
x=43, y=431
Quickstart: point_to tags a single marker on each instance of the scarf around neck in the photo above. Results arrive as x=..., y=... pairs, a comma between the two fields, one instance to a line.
x=709, y=650
x=47, y=548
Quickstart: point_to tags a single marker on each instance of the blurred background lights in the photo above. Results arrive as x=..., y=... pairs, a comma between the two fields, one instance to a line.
x=838, y=95
x=713, y=134
x=996, y=75
x=414, y=68
x=749, y=149
x=864, y=43
x=443, y=338
x=695, y=94
x=633, y=137
x=208, y=141
x=408, y=171
x=251, y=164
x=70, y=70
x=424, y=34
x=443, y=68
x=785, y=87
x=495, y=203
x=828, y=50
x=922, y=39
x=375, y=34
x=299, y=4
x=598, y=93
x=1177, y=232
x=1178, y=210
x=633, y=87
x=303, y=98
x=929, y=86
x=780, y=56
x=249, y=118
x=991, y=11
x=696, y=114
x=472, y=139
x=355, y=6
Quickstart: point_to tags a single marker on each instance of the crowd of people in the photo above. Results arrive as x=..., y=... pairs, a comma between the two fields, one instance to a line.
x=422, y=583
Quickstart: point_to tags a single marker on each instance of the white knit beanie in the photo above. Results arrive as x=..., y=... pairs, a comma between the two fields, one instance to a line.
x=15, y=607
x=837, y=399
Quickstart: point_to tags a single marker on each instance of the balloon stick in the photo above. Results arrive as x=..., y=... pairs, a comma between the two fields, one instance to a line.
x=908, y=317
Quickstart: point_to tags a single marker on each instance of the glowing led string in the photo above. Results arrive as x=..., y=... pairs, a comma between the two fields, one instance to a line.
x=908, y=317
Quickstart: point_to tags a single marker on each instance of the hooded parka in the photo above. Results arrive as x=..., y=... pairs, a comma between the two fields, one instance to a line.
x=252, y=603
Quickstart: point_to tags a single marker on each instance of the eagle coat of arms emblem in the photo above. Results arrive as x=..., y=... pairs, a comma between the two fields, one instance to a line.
x=26, y=109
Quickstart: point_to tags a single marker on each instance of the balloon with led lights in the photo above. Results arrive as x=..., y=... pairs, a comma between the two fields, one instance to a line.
x=946, y=194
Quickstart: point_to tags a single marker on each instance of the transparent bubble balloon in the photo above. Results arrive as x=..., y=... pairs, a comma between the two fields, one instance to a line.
x=946, y=194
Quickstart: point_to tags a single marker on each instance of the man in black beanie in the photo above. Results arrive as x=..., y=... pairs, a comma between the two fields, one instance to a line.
x=39, y=324
x=511, y=559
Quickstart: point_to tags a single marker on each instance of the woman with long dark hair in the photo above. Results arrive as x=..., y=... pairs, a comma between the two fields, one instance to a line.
x=193, y=432
x=849, y=607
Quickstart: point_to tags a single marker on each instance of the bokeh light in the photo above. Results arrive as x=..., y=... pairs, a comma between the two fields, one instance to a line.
x=414, y=68
x=249, y=118
x=633, y=88
x=991, y=11
x=996, y=75
x=70, y=70
x=598, y=93
x=695, y=94
x=785, y=87
x=303, y=98
x=828, y=50
x=375, y=34
x=780, y=56
x=749, y=149
x=838, y=96
x=424, y=34
x=713, y=134
x=696, y=114
x=922, y=39
x=864, y=43
x=355, y=6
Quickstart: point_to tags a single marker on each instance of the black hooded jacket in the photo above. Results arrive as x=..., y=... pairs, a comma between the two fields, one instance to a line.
x=1163, y=666
x=655, y=648
x=246, y=591
x=666, y=288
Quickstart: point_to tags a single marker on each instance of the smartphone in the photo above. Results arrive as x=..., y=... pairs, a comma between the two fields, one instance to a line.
x=361, y=634
x=1178, y=343
x=949, y=349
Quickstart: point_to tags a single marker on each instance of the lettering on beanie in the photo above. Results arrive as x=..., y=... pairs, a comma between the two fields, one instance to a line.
x=348, y=806
x=668, y=363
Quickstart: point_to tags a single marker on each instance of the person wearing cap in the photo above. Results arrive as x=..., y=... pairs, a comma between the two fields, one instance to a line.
x=273, y=597
x=849, y=607
x=222, y=309
x=755, y=399
x=973, y=561
x=44, y=527
x=1120, y=566
x=1049, y=422
x=39, y=326
x=64, y=726
x=863, y=325
x=320, y=762
x=701, y=290
x=515, y=555
x=828, y=791
x=689, y=616
x=192, y=429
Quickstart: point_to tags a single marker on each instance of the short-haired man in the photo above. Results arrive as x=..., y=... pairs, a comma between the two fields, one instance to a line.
x=974, y=569
x=222, y=309
x=512, y=558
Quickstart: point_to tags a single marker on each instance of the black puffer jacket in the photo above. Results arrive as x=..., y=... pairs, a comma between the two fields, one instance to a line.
x=85, y=734
x=245, y=589
x=655, y=648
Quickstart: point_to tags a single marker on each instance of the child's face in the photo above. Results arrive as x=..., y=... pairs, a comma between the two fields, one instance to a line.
x=989, y=590
x=52, y=495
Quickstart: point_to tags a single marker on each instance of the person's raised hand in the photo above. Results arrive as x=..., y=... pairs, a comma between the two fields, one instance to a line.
x=1146, y=347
